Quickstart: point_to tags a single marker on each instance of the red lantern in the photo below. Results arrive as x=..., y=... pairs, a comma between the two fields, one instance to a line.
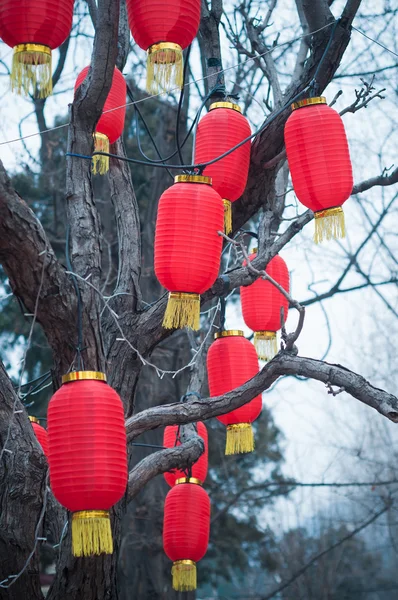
x=220, y=130
x=320, y=165
x=164, y=31
x=199, y=469
x=88, y=457
x=187, y=246
x=231, y=362
x=111, y=124
x=33, y=28
x=186, y=530
x=40, y=433
x=261, y=307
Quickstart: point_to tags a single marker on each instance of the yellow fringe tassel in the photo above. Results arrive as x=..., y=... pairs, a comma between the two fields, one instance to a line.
x=266, y=344
x=31, y=71
x=227, y=216
x=100, y=164
x=184, y=575
x=329, y=224
x=183, y=310
x=240, y=439
x=91, y=533
x=165, y=68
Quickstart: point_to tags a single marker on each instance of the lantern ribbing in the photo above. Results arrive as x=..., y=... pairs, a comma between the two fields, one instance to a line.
x=231, y=362
x=262, y=303
x=87, y=457
x=164, y=31
x=187, y=246
x=186, y=530
x=220, y=130
x=320, y=166
x=111, y=123
x=33, y=30
x=40, y=433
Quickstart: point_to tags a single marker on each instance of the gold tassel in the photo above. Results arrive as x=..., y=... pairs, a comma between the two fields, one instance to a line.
x=266, y=344
x=91, y=533
x=184, y=575
x=240, y=439
x=31, y=71
x=165, y=68
x=329, y=224
x=100, y=163
x=183, y=310
x=227, y=216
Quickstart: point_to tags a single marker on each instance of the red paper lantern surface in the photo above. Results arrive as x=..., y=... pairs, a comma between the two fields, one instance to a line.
x=111, y=123
x=186, y=530
x=164, y=30
x=231, y=362
x=46, y=22
x=87, y=435
x=87, y=457
x=261, y=307
x=319, y=159
x=262, y=301
x=220, y=130
x=34, y=28
x=199, y=469
x=187, y=246
x=40, y=433
x=153, y=21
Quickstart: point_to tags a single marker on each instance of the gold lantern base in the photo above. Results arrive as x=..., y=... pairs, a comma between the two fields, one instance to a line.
x=184, y=575
x=183, y=310
x=31, y=71
x=100, y=163
x=91, y=533
x=329, y=224
x=165, y=68
x=227, y=216
x=266, y=344
x=240, y=439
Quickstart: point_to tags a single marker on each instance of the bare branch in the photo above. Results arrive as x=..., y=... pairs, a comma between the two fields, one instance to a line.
x=382, y=180
x=180, y=457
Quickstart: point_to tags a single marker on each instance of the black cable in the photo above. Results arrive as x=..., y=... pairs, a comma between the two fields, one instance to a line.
x=139, y=114
x=79, y=348
x=38, y=386
x=33, y=380
x=179, y=108
x=314, y=83
x=200, y=167
x=222, y=313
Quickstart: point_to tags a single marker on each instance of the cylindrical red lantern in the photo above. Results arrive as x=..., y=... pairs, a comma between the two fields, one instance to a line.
x=111, y=124
x=262, y=303
x=231, y=362
x=87, y=457
x=186, y=530
x=320, y=166
x=40, y=433
x=164, y=31
x=223, y=128
x=188, y=246
x=199, y=469
x=33, y=28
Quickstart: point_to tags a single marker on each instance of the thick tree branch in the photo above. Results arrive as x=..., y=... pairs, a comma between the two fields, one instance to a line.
x=382, y=180
x=283, y=364
x=181, y=457
x=23, y=250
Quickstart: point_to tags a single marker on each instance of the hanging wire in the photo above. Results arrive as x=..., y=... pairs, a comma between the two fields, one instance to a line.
x=200, y=167
x=179, y=108
x=314, y=83
x=79, y=348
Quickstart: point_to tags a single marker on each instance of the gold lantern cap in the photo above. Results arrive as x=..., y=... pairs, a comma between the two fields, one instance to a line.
x=193, y=179
x=193, y=480
x=309, y=102
x=228, y=333
x=83, y=375
x=229, y=105
x=34, y=419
